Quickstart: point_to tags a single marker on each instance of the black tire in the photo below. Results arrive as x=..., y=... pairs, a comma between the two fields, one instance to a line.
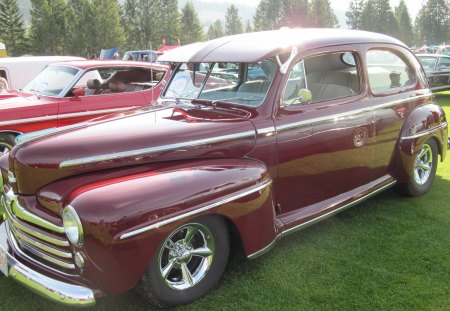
x=423, y=171
x=7, y=141
x=205, y=271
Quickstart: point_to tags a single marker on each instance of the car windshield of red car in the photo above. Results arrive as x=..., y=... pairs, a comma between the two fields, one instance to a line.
x=238, y=83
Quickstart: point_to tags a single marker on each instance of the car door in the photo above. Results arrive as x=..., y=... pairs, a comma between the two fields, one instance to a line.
x=110, y=95
x=325, y=145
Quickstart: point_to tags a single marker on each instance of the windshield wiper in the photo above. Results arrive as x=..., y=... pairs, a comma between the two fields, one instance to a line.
x=230, y=100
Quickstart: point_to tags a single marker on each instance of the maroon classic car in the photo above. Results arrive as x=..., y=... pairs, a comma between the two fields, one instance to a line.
x=259, y=134
x=70, y=92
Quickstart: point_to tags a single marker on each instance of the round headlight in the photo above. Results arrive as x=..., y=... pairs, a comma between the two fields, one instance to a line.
x=73, y=226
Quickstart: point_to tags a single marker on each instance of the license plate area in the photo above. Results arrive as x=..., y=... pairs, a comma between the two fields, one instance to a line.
x=4, y=262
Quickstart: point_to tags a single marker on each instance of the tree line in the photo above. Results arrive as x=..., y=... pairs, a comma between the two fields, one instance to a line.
x=84, y=27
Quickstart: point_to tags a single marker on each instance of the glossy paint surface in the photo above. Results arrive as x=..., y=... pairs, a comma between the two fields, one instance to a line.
x=268, y=170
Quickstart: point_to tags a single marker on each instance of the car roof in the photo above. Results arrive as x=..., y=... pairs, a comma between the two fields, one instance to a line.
x=256, y=46
x=32, y=59
x=87, y=64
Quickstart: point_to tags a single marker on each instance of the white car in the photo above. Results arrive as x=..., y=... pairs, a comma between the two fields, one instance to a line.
x=18, y=71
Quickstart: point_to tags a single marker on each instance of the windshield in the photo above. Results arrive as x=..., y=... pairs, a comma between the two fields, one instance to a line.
x=51, y=81
x=237, y=83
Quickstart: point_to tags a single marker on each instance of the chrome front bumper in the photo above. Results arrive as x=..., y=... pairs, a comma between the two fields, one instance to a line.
x=68, y=294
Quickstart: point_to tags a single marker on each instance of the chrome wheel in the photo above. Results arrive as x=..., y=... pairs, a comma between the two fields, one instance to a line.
x=186, y=256
x=423, y=165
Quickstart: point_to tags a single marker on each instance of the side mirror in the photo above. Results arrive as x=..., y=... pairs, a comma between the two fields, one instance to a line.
x=305, y=96
x=79, y=92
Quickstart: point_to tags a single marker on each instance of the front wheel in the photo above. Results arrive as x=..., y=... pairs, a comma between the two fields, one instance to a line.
x=7, y=141
x=188, y=264
x=423, y=172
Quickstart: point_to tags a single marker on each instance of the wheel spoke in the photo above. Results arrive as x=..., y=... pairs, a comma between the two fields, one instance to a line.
x=202, y=252
x=187, y=276
x=191, y=231
x=425, y=167
x=421, y=153
x=165, y=272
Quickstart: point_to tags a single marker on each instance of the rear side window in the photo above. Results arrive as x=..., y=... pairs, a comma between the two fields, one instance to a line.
x=388, y=71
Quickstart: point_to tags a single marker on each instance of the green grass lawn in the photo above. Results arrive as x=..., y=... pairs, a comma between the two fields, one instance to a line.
x=387, y=253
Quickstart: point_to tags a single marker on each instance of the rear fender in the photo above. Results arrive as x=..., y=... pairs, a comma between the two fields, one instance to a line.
x=126, y=219
x=423, y=123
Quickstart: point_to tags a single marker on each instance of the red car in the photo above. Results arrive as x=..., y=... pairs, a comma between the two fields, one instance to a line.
x=310, y=123
x=71, y=92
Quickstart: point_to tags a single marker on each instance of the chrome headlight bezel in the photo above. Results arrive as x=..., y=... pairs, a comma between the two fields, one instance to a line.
x=73, y=226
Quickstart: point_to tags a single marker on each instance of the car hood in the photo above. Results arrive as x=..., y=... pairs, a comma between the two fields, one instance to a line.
x=13, y=100
x=133, y=138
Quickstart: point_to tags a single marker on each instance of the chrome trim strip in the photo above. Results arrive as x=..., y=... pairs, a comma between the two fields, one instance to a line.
x=94, y=112
x=152, y=150
x=38, y=235
x=25, y=215
x=37, y=244
x=16, y=224
x=67, y=115
x=61, y=292
x=336, y=211
x=318, y=219
x=332, y=118
x=227, y=199
x=266, y=130
x=46, y=257
x=17, y=248
x=427, y=132
x=27, y=120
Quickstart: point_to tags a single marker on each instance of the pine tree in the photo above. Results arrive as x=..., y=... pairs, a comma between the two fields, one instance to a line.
x=404, y=23
x=48, y=26
x=215, y=30
x=233, y=22
x=432, y=23
x=130, y=13
x=169, y=24
x=377, y=16
x=321, y=15
x=248, y=26
x=107, y=27
x=190, y=23
x=353, y=14
x=12, y=32
x=274, y=14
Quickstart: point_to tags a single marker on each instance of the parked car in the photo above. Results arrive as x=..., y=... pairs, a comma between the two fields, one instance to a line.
x=437, y=69
x=72, y=92
x=149, y=198
x=18, y=71
x=141, y=55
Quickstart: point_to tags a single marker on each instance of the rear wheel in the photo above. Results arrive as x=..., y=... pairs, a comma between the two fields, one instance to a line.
x=424, y=170
x=7, y=141
x=188, y=264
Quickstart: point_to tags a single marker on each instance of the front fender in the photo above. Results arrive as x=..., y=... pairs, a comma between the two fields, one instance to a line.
x=125, y=219
x=422, y=123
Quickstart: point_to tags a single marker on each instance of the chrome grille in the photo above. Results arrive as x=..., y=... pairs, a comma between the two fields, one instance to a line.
x=40, y=239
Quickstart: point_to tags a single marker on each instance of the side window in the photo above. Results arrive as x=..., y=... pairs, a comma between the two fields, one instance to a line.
x=323, y=77
x=296, y=82
x=444, y=63
x=388, y=71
